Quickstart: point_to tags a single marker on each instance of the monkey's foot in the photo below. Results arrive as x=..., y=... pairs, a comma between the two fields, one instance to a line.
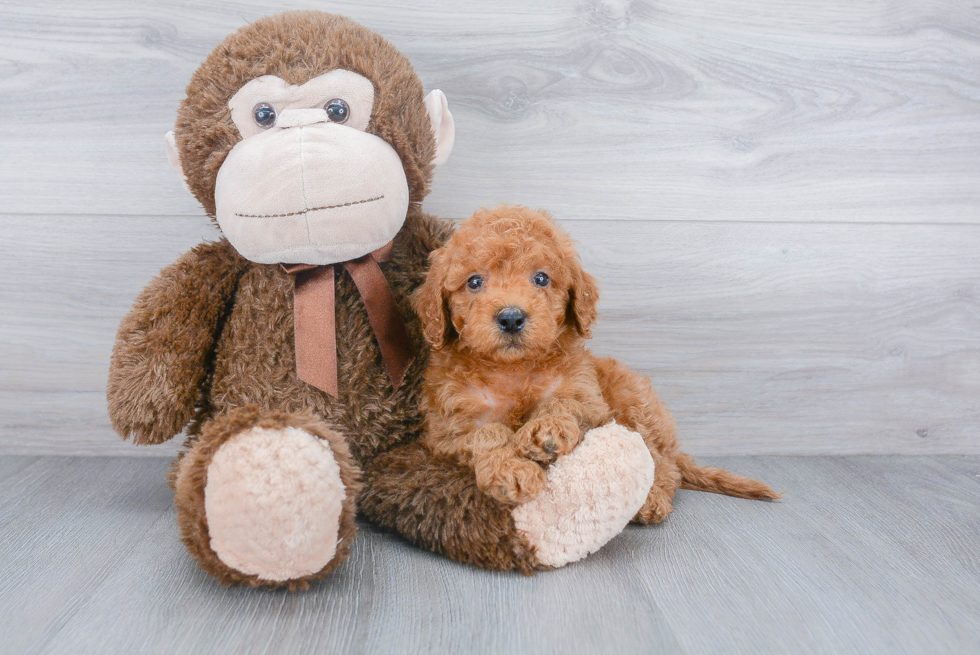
x=267, y=499
x=592, y=494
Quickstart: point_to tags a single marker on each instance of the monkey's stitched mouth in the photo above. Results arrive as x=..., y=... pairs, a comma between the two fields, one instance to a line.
x=311, y=209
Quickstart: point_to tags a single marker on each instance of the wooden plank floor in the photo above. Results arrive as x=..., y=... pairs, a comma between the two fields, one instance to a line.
x=865, y=555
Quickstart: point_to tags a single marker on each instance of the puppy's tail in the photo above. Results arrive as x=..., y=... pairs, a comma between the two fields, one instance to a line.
x=719, y=481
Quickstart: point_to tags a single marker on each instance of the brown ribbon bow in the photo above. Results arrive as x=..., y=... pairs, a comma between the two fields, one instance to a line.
x=314, y=319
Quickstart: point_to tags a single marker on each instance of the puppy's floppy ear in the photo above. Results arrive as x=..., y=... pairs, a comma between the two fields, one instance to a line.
x=583, y=299
x=431, y=304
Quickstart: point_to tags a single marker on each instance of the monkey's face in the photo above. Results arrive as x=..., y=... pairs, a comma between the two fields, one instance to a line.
x=307, y=184
x=307, y=136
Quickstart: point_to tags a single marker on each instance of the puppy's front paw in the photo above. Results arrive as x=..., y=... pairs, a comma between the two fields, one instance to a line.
x=511, y=480
x=547, y=438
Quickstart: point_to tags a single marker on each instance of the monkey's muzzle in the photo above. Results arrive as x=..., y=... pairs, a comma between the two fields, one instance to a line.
x=310, y=192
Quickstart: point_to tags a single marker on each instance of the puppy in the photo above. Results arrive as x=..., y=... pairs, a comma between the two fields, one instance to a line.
x=510, y=386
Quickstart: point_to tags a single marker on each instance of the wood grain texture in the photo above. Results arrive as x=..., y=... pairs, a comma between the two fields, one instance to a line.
x=69, y=281
x=762, y=338
x=785, y=110
x=65, y=525
x=780, y=198
x=864, y=555
x=849, y=559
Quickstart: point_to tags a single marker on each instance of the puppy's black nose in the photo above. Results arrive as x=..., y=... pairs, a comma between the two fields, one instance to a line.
x=511, y=319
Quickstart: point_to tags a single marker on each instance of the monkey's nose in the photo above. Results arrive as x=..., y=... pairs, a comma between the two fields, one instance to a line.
x=511, y=319
x=300, y=117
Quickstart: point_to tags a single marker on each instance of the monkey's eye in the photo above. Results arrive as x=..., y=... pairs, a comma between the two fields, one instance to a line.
x=475, y=283
x=541, y=279
x=264, y=115
x=337, y=110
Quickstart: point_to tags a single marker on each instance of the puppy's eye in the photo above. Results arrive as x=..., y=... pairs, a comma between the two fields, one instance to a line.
x=264, y=115
x=337, y=110
x=541, y=279
x=475, y=283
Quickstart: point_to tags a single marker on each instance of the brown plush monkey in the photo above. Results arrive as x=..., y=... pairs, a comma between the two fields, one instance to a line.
x=288, y=350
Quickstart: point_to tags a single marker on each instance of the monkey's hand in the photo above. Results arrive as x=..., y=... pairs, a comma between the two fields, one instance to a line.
x=160, y=357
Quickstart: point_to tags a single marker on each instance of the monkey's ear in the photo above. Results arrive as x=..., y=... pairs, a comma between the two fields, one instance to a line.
x=174, y=157
x=443, y=125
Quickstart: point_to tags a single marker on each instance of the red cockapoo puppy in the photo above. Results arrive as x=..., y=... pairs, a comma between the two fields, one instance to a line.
x=510, y=386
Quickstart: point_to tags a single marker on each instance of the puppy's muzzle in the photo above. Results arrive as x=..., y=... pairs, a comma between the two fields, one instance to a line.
x=511, y=320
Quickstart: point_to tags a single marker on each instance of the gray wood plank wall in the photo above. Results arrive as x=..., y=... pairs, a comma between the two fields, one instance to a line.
x=781, y=198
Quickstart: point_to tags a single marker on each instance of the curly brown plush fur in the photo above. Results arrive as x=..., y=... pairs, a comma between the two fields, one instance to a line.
x=435, y=504
x=213, y=334
x=507, y=399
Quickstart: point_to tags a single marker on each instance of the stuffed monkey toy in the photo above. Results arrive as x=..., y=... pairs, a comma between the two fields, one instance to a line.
x=288, y=351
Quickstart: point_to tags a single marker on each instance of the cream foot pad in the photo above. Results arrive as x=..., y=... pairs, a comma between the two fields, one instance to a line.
x=273, y=502
x=591, y=496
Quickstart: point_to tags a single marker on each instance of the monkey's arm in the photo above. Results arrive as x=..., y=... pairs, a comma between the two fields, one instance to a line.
x=163, y=346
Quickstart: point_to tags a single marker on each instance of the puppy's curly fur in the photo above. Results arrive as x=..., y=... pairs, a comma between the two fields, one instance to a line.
x=510, y=386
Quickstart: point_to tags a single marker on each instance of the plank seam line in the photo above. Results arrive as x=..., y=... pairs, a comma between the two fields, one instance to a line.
x=563, y=220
